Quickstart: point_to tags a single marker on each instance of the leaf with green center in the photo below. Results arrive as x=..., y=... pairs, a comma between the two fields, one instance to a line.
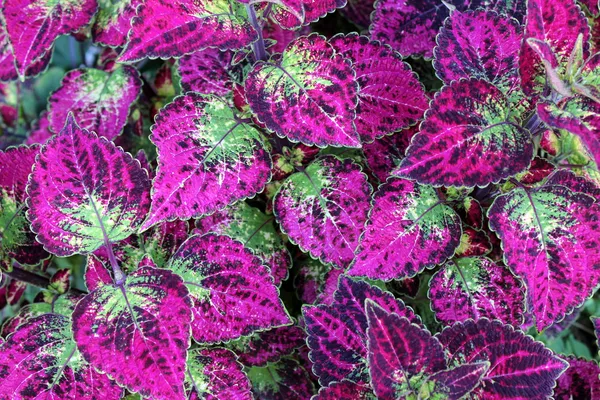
x=283, y=380
x=204, y=148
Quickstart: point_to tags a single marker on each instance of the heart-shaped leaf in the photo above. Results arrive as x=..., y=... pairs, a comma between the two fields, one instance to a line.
x=208, y=71
x=580, y=380
x=112, y=23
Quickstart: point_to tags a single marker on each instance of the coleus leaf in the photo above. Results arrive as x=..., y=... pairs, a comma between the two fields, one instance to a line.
x=256, y=231
x=40, y=130
x=580, y=380
x=455, y=383
x=283, y=380
x=208, y=71
x=232, y=291
x=96, y=274
x=8, y=71
x=268, y=346
x=204, y=148
x=520, y=368
x=165, y=29
x=358, y=12
x=574, y=182
x=33, y=25
x=390, y=97
x=323, y=209
x=14, y=291
x=303, y=12
x=409, y=229
x=551, y=241
x=384, y=154
x=138, y=332
x=100, y=99
x=308, y=94
x=40, y=360
x=401, y=355
x=479, y=44
x=215, y=374
x=85, y=192
x=347, y=390
x=476, y=287
x=25, y=313
x=112, y=23
x=467, y=117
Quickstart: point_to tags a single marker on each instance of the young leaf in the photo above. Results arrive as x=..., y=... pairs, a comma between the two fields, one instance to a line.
x=165, y=29
x=323, y=209
x=580, y=380
x=138, y=332
x=284, y=380
x=100, y=99
x=409, y=229
x=390, y=97
x=208, y=71
x=204, y=148
x=455, y=383
x=476, y=287
x=33, y=25
x=84, y=192
x=401, y=354
x=232, y=291
x=308, y=94
x=520, y=368
x=112, y=22
x=467, y=117
x=551, y=241
x=40, y=361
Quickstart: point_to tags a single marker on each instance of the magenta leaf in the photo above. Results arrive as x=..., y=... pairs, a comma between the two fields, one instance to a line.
x=232, y=291
x=138, y=332
x=385, y=154
x=208, y=71
x=8, y=71
x=33, y=25
x=84, y=192
x=204, y=148
x=40, y=130
x=284, y=380
x=574, y=182
x=390, y=96
x=359, y=12
x=40, y=361
x=409, y=229
x=346, y=390
x=580, y=380
x=551, y=241
x=97, y=273
x=476, y=287
x=455, y=383
x=401, y=354
x=323, y=209
x=467, y=117
x=308, y=94
x=268, y=346
x=112, y=22
x=24, y=314
x=303, y=12
x=479, y=44
x=100, y=99
x=520, y=368
x=215, y=374
x=165, y=29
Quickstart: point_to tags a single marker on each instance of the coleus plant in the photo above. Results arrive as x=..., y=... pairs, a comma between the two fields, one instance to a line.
x=234, y=199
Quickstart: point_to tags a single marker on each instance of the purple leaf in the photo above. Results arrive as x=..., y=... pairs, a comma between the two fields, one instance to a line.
x=85, y=192
x=359, y=12
x=466, y=118
x=323, y=209
x=551, y=241
x=40, y=130
x=385, y=154
x=308, y=94
x=215, y=374
x=268, y=346
x=138, y=332
x=576, y=183
x=479, y=44
x=455, y=383
x=96, y=274
x=8, y=71
x=520, y=368
x=592, y=5
x=310, y=10
x=580, y=380
x=165, y=29
x=346, y=390
x=40, y=361
x=112, y=22
x=284, y=380
x=474, y=288
x=409, y=229
x=399, y=354
x=231, y=290
x=390, y=97
x=24, y=314
x=100, y=99
x=207, y=71
x=204, y=148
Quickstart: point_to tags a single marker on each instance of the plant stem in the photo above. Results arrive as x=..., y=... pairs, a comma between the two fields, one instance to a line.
x=31, y=278
x=258, y=47
x=117, y=272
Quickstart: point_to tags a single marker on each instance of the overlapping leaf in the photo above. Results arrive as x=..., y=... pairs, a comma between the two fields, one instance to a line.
x=323, y=209
x=302, y=12
x=283, y=380
x=85, y=192
x=580, y=381
x=308, y=94
x=385, y=154
x=409, y=229
x=208, y=71
x=268, y=346
x=345, y=390
x=456, y=383
x=112, y=22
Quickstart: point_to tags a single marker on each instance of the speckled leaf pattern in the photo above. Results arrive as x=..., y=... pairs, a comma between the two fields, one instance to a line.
x=308, y=94
x=310, y=10
x=204, y=149
x=256, y=231
x=84, y=192
x=390, y=96
x=33, y=25
x=24, y=314
x=99, y=99
x=476, y=287
x=455, y=383
x=112, y=22
x=520, y=368
x=40, y=361
x=232, y=291
x=479, y=44
x=574, y=182
x=401, y=354
x=323, y=209
x=467, y=139
x=346, y=390
x=215, y=374
x=165, y=28
x=385, y=154
x=284, y=380
x=208, y=71
x=551, y=239
x=409, y=229
x=138, y=332
x=580, y=380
